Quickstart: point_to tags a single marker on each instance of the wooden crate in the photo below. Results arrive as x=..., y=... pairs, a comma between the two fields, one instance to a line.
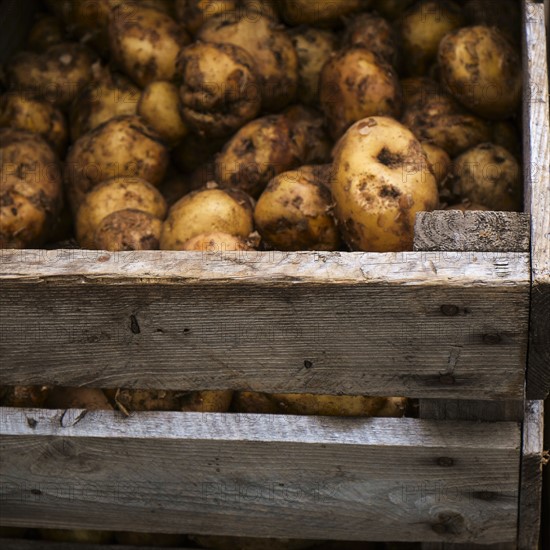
x=453, y=323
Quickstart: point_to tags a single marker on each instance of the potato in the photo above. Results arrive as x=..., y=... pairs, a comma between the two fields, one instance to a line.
x=266, y=8
x=394, y=407
x=422, y=27
x=207, y=211
x=159, y=108
x=502, y=14
x=250, y=543
x=380, y=182
x=47, y=31
x=120, y=147
x=269, y=46
x=392, y=9
x=370, y=31
x=309, y=134
x=489, y=175
x=318, y=13
x=30, y=195
x=111, y=196
x=434, y=116
x=220, y=90
x=145, y=43
x=161, y=400
x=215, y=242
x=314, y=48
x=91, y=399
x=482, y=70
x=254, y=403
x=193, y=13
x=36, y=116
x=57, y=75
x=355, y=84
x=438, y=160
x=150, y=540
x=108, y=95
x=77, y=536
x=257, y=153
x=293, y=213
x=31, y=397
x=128, y=230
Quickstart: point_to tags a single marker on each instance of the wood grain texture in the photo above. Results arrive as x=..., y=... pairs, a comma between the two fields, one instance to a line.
x=415, y=324
x=452, y=230
x=261, y=475
x=537, y=196
x=477, y=411
x=531, y=476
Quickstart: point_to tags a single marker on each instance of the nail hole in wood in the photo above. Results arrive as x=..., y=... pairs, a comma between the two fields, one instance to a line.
x=445, y=461
x=449, y=310
x=134, y=325
x=492, y=338
x=308, y=364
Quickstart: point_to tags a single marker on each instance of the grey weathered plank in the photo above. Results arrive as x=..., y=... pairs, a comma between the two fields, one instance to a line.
x=261, y=475
x=22, y=544
x=415, y=324
x=452, y=230
x=531, y=476
x=451, y=546
x=477, y=411
x=537, y=195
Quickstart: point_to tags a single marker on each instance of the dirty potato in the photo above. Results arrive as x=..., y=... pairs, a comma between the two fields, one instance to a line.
x=438, y=160
x=380, y=182
x=31, y=194
x=421, y=29
x=220, y=90
x=257, y=153
x=91, y=399
x=47, y=31
x=193, y=13
x=207, y=211
x=482, y=69
x=294, y=213
x=434, y=116
x=356, y=83
x=57, y=75
x=270, y=47
x=314, y=48
x=122, y=146
x=111, y=196
x=128, y=230
x=159, y=107
x=373, y=32
x=145, y=44
x=107, y=96
x=489, y=175
x=37, y=116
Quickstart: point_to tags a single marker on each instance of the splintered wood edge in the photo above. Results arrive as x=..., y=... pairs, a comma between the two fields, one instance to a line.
x=453, y=230
x=537, y=193
x=315, y=430
x=470, y=269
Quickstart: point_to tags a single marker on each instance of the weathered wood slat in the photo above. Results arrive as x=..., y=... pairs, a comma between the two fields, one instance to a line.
x=415, y=324
x=531, y=476
x=261, y=475
x=537, y=195
x=477, y=411
x=22, y=544
x=453, y=230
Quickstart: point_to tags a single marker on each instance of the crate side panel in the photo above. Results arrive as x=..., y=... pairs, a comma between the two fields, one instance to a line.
x=536, y=121
x=430, y=326
x=272, y=476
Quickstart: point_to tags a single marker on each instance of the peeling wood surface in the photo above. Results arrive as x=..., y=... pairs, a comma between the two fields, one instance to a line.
x=415, y=324
x=261, y=475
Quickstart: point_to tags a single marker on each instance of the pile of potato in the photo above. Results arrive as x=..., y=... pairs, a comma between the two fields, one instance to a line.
x=196, y=124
